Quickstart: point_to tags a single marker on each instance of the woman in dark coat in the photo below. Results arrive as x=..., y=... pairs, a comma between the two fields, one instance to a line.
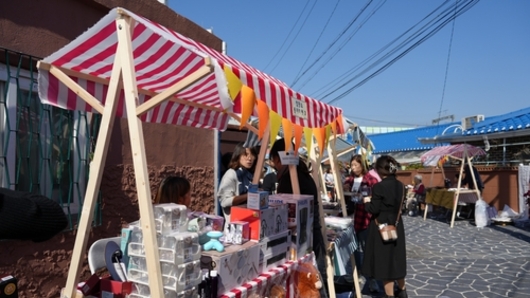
x=386, y=261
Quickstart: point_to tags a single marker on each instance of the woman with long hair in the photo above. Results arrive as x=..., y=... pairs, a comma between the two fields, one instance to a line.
x=174, y=189
x=360, y=180
x=234, y=185
x=386, y=261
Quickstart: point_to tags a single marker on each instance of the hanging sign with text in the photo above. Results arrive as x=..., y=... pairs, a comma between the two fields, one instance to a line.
x=299, y=108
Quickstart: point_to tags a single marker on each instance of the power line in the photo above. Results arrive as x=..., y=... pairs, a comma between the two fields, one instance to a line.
x=333, y=42
x=381, y=121
x=296, y=36
x=287, y=37
x=315, y=44
x=344, y=76
x=343, y=44
x=436, y=29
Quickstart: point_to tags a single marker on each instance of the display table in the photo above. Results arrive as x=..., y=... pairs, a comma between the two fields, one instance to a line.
x=449, y=198
x=259, y=285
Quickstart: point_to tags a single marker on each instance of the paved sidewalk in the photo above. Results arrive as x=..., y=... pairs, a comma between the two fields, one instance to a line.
x=465, y=261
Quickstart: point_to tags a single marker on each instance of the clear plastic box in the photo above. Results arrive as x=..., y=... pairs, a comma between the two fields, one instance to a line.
x=176, y=248
x=174, y=277
x=170, y=218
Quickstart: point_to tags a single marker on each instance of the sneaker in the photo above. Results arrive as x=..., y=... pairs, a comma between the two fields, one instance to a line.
x=411, y=213
x=373, y=286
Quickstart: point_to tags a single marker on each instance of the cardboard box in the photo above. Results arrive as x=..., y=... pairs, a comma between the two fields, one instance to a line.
x=261, y=222
x=258, y=200
x=281, y=219
x=300, y=217
x=114, y=289
x=239, y=232
x=273, y=260
x=297, y=205
x=8, y=287
x=91, y=286
x=235, y=266
x=274, y=245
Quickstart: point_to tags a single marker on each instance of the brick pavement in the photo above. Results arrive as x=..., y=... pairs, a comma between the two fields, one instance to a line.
x=465, y=261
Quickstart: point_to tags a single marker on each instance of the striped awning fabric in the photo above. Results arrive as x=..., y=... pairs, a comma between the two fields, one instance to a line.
x=163, y=57
x=432, y=156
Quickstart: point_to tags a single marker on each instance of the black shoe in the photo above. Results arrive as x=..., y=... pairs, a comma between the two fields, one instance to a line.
x=401, y=293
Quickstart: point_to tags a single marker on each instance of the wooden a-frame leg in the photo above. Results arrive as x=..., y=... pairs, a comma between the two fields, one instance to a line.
x=125, y=24
x=94, y=181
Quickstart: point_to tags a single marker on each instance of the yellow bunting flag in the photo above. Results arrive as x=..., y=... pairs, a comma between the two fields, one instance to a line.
x=233, y=82
x=334, y=128
x=263, y=116
x=308, y=134
x=328, y=134
x=320, y=135
x=275, y=122
x=298, y=131
x=248, y=100
x=287, y=133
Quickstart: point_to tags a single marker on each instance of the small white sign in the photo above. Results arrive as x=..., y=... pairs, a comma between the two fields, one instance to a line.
x=299, y=108
x=288, y=158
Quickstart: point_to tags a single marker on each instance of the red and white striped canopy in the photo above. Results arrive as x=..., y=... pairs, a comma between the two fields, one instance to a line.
x=162, y=57
x=431, y=157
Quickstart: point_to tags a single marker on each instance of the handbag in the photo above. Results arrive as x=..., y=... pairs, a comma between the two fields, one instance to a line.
x=389, y=232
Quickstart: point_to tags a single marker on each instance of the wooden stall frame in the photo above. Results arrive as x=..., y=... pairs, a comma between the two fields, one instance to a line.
x=123, y=76
x=463, y=161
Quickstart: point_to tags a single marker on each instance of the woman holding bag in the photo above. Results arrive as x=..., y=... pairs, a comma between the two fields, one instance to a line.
x=386, y=260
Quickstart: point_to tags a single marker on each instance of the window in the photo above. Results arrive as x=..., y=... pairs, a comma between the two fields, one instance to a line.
x=43, y=149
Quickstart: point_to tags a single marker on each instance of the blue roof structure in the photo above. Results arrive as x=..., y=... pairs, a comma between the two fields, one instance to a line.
x=407, y=140
x=516, y=120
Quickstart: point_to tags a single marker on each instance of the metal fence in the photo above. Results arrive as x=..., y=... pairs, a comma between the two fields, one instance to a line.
x=43, y=149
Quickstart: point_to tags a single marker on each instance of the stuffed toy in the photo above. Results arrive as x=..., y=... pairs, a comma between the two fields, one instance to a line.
x=277, y=291
x=307, y=281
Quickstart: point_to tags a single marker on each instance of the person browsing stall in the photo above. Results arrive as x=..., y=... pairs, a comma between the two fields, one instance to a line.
x=307, y=187
x=386, y=261
x=359, y=179
x=234, y=185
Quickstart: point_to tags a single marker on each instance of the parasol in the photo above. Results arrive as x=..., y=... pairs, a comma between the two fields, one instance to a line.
x=459, y=151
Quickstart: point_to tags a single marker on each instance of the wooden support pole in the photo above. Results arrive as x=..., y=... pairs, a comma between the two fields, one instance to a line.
x=261, y=156
x=337, y=177
x=315, y=161
x=72, y=85
x=455, y=199
x=125, y=24
x=94, y=180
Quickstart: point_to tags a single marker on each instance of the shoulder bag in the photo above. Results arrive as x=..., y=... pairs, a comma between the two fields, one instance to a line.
x=389, y=232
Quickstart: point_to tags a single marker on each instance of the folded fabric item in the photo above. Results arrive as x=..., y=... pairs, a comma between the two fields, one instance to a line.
x=27, y=216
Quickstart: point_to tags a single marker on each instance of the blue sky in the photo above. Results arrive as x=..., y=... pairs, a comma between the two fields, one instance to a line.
x=489, y=63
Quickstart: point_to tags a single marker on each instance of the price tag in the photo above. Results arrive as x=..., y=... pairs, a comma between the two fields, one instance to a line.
x=299, y=108
x=288, y=158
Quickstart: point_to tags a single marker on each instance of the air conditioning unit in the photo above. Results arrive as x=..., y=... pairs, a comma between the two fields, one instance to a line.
x=468, y=122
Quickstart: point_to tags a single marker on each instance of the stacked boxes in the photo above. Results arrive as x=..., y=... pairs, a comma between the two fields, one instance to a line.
x=300, y=218
x=269, y=227
x=179, y=254
x=235, y=265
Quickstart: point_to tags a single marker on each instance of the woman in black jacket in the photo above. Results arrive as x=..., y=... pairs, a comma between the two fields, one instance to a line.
x=386, y=261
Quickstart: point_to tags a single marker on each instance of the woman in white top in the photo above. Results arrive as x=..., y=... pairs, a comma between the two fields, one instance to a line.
x=234, y=185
